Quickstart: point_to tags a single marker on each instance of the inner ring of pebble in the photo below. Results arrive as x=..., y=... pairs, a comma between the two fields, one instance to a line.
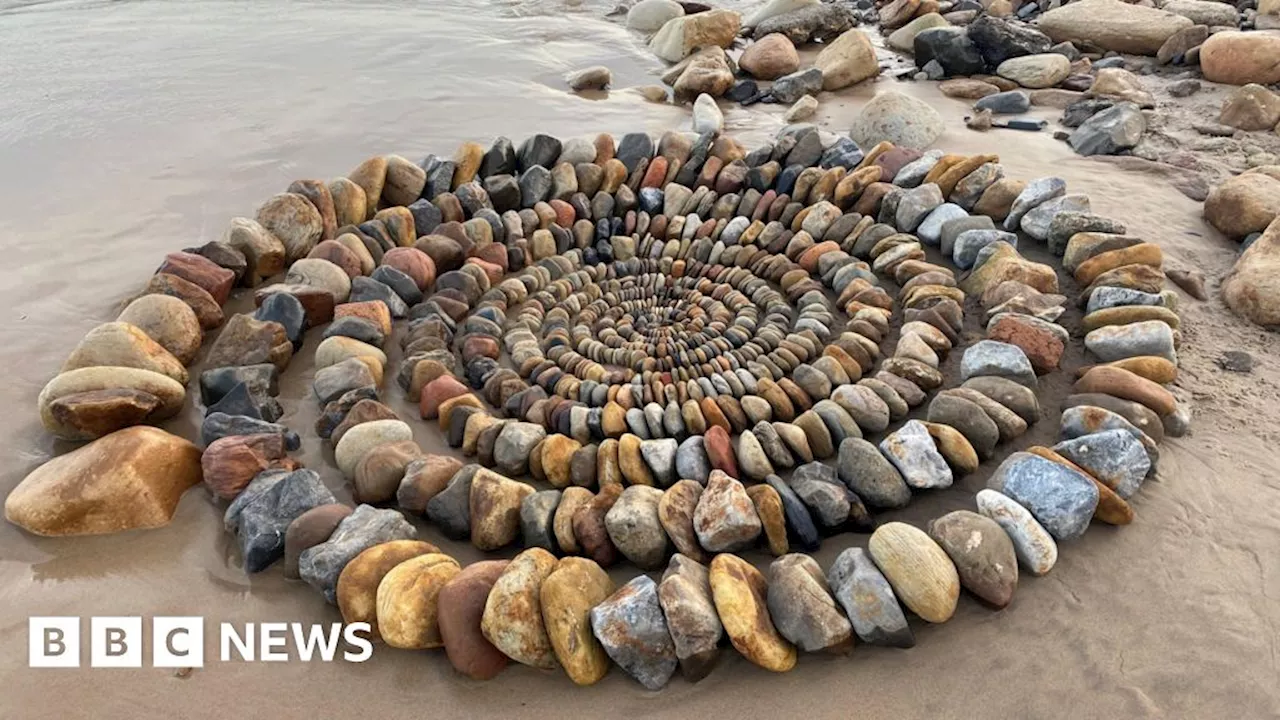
x=655, y=375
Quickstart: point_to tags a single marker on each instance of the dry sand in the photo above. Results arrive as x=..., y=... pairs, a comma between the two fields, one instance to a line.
x=136, y=129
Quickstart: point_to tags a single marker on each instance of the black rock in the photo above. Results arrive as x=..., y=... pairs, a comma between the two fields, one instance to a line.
x=439, y=180
x=365, y=289
x=1237, y=361
x=219, y=425
x=800, y=528
x=1117, y=128
x=1083, y=109
x=807, y=152
x=535, y=185
x=762, y=155
x=426, y=217
x=473, y=198
x=478, y=371
x=336, y=411
x=843, y=153
x=242, y=401
x=224, y=256
x=261, y=513
x=633, y=148
x=261, y=379
x=786, y=181
x=743, y=90
x=399, y=282
x=1108, y=62
x=537, y=518
x=1005, y=103
x=356, y=328
x=998, y=39
x=790, y=88
x=540, y=150
x=500, y=160
x=450, y=509
x=287, y=310
x=651, y=200
x=951, y=48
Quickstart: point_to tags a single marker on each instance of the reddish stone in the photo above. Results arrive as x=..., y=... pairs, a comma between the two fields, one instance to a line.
x=479, y=346
x=374, y=311
x=459, y=610
x=656, y=175
x=202, y=271
x=809, y=258
x=868, y=203
x=446, y=252
x=720, y=450
x=308, y=530
x=492, y=271
x=424, y=479
x=436, y=392
x=338, y=254
x=412, y=262
x=317, y=303
x=230, y=463
x=713, y=415
x=893, y=160
x=1042, y=346
x=207, y=310
x=565, y=214
x=494, y=254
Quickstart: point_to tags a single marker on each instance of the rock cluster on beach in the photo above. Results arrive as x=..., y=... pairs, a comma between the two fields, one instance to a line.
x=654, y=351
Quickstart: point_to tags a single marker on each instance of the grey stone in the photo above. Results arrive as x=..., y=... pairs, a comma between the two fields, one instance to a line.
x=634, y=526
x=1061, y=499
x=515, y=441
x=1036, y=192
x=319, y=566
x=633, y=630
x=1115, y=457
x=1010, y=102
x=914, y=172
x=802, y=608
x=964, y=252
x=1067, y=223
x=1117, y=342
x=868, y=600
x=332, y=382
x=1106, y=296
x=262, y=512
x=1117, y=128
x=690, y=612
x=218, y=425
x=1036, y=223
x=691, y=460
x=365, y=289
x=912, y=451
x=660, y=456
x=790, y=88
x=915, y=205
x=930, y=230
x=870, y=475
x=450, y=509
x=990, y=357
x=537, y=519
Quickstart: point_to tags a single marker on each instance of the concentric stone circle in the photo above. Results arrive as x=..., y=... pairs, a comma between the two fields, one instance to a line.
x=657, y=375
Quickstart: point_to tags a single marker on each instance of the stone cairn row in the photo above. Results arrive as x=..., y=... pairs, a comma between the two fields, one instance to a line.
x=644, y=340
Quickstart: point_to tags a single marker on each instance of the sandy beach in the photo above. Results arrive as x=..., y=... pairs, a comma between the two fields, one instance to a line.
x=133, y=129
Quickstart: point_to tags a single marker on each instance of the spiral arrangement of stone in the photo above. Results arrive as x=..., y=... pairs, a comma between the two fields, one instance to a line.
x=663, y=372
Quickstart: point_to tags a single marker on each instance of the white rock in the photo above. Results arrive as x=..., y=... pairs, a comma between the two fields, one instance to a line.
x=651, y=15
x=707, y=117
x=774, y=8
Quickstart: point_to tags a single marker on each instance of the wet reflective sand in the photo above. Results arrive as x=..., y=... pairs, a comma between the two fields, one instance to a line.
x=133, y=129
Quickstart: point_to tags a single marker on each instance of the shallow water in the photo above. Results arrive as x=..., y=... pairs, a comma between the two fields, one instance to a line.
x=131, y=129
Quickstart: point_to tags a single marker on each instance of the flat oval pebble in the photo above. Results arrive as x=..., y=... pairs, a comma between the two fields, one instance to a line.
x=740, y=592
x=921, y=574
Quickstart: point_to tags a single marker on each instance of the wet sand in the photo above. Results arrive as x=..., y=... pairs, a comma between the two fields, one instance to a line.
x=135, y=129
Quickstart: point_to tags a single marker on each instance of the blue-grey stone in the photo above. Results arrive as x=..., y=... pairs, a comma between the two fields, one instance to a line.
x=660, y=456
x=450, y=509
x=1117, y=342
x=1083, y=420
x=1115, y=457
x=537, y=520
x=1010, y=102
x=357, y=328
x=868, y=600
x=1060, y=499
x=914, y=172
x=1037, y=221
x=691, y=460
x=916, y=204
x=399, y=282
x=261, y=513
x=218, y=425
x=870, y=475
x=632, y=628
x=636, y=423
x=790, y=88
x=1036, y=192
x=930, y=231
x=1106, y=296
x=913, y=452
x=286, y=310
x=990, y=357
x=367, y=526
x=967, y=245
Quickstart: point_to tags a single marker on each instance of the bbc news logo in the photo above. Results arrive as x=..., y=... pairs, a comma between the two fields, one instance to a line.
x=178, y=642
